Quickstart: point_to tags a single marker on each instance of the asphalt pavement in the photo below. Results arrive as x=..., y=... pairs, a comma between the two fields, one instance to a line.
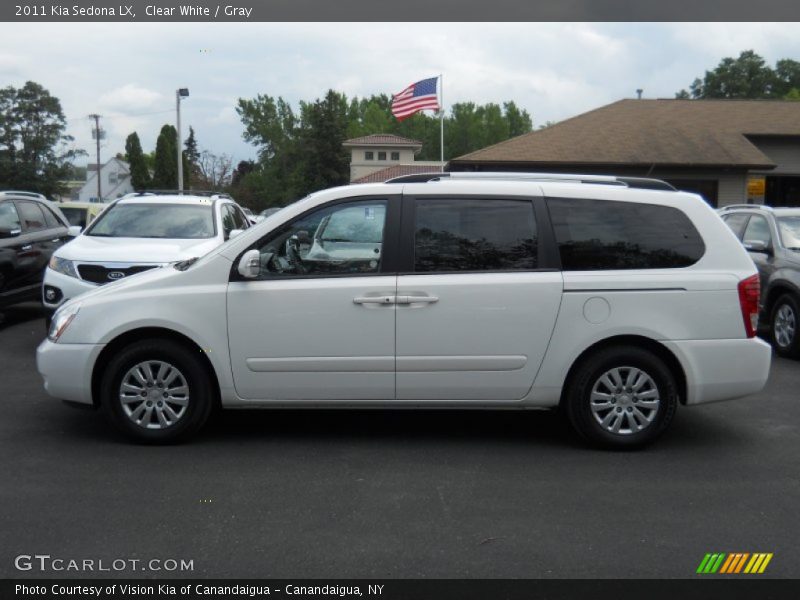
x=394, y=494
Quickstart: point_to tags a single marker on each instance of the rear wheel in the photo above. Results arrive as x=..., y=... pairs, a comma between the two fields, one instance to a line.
x=156, y=391
x=783, y=326
x=621, y=397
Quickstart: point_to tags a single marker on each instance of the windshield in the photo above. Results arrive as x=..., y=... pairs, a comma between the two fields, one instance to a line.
x=789, y=228
x=167, y=221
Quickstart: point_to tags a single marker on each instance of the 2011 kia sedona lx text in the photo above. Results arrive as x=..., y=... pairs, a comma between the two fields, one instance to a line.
x=615, y=299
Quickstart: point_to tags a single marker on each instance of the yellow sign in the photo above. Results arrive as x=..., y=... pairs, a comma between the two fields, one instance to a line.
x=756, y=187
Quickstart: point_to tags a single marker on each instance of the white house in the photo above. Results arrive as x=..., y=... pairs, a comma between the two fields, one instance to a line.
x=115, y=181
x=378, y=157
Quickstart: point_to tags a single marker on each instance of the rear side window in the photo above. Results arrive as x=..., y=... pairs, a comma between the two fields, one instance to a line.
x=474, y=235
x=32, y=216
x=600, y=234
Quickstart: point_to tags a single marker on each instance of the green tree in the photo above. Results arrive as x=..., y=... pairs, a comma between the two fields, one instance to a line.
x=140, y=176
x=748, y=76
x=191, y=160
x=35, y=153
x=165, y=169
x=165, y=173
x=301, y=151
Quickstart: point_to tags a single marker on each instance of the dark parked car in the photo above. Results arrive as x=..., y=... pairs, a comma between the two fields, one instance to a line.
x=31, y=227
x=772, y=237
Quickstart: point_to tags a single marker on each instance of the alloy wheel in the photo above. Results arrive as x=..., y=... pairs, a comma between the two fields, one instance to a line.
x=624, y=400
x=154, y=394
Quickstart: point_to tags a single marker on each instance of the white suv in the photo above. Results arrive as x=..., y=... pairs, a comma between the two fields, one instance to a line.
x=136, y=233
x=614, y=299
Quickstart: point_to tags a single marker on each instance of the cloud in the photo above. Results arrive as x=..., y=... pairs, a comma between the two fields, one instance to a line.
x=130, y=98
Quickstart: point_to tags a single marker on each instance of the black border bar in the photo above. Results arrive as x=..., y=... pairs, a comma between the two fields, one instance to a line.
x=397, y=11
x=698, y=588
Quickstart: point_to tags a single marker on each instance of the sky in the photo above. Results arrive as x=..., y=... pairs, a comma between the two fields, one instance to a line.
x=128, y=72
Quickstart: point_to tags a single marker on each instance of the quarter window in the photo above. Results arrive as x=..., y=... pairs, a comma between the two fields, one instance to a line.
x=32, y=216
x=343, y=239
x=474, y=235
x=51, y=220
x=602, y=234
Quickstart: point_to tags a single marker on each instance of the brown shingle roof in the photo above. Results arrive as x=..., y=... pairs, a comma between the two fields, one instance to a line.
x=382, y=139
x=647, y=132
x=394, y=171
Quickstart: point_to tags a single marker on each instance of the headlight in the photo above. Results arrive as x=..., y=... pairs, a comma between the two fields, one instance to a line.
x=62, y=265
x=61, y=320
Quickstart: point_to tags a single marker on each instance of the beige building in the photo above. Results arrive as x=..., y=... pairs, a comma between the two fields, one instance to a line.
x=378, y=157
x=729, y=151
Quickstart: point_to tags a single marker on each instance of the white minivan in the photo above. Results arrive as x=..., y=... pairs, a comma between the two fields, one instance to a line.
x=615, y=299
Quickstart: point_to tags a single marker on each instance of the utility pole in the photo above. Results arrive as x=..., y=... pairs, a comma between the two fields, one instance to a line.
x=97, y=134
x=180, y=93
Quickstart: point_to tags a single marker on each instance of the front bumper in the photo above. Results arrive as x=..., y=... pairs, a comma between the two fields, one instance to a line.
x=67, y=369
x=68, y=286
x=722, y=369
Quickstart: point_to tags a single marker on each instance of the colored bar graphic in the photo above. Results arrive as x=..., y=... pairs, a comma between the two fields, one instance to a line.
x=703, y=563
x=733, y=563
x=729, y=562
x=740, y=564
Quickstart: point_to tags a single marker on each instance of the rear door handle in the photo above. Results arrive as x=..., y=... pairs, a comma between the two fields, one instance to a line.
x=416, y=299
x=26, y=247
x=375, y=300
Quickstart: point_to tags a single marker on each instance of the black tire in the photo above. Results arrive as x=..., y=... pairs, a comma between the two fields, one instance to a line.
x=788, y=344
x=629, y=409
x=189, y=367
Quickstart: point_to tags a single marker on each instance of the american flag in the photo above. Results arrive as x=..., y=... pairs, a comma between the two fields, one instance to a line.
x=416, y=97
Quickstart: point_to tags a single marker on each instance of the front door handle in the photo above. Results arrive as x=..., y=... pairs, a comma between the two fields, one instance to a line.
x=26, y=247
x=416, y=299
x=375, y=300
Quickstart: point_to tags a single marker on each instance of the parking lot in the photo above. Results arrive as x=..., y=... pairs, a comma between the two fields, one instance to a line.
x=390, y=494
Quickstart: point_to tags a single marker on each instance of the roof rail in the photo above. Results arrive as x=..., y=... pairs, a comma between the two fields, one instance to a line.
x=210, y=193
x=755, y=206
x=631, y=182
x=20, y=193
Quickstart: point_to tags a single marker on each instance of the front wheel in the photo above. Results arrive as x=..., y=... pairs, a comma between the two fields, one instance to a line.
x=783, y=326
x=621, y=397
x=156, y=391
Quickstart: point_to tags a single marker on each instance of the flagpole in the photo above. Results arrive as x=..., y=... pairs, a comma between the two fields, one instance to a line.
x=441, y=119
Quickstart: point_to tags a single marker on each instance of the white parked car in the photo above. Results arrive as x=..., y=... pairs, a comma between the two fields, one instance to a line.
x=614, y=299
x=137, y=233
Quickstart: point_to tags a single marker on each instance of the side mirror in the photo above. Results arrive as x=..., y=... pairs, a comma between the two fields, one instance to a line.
x=250, y=264
x=6, y=232
x=234, y=233
x=74, y=230
x=757, y=246
x=302, y=237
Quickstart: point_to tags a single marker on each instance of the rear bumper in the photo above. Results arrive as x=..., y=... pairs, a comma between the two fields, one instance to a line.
x=67, y=369
x=722, y=369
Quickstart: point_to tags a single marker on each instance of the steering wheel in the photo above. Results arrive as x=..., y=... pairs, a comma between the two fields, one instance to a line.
x=293, y=256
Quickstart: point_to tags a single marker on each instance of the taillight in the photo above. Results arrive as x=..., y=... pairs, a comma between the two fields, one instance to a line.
x=749, y=292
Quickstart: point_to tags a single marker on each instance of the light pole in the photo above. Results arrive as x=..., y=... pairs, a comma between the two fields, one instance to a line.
x=180, y=93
